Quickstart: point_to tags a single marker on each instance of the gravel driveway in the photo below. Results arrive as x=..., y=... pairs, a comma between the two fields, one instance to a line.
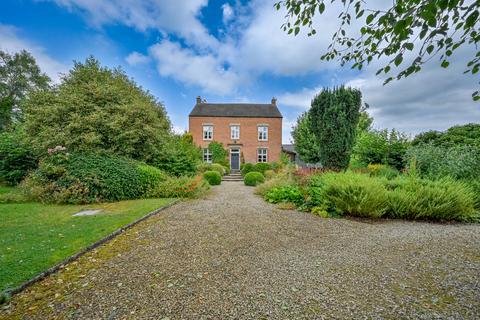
x=233, y=256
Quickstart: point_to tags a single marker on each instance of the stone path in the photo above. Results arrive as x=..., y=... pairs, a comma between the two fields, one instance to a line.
x=233, y=256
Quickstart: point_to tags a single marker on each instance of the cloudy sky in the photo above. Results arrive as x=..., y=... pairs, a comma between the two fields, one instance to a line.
x=227, y=51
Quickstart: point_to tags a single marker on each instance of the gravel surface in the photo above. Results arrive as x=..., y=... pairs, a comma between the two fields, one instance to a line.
x=234, y=256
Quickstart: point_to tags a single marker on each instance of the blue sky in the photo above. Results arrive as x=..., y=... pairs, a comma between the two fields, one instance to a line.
x=226, y=51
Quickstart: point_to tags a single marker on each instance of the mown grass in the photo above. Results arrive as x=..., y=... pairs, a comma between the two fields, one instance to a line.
x=37, y=236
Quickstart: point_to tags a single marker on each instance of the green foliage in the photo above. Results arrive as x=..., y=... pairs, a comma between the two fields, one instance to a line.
x=306, y=143
x=213, y=177
x=424, y=29
x=443, y=199
x=402, y=197
x=97, y=109
x=289, y=193
x=334, y=118
x=16, y=157
x=381, y=147
x=269, y=174
x=262, y=167
x=380, y=170
x=468, y=134
x=182, y=187
x=365, y=121
x=218, y=168
x=150, y=177
x=283, y=178
x=246, y=168
x=89, y=177
x=348, y=194
x=180, y=156
x=204, y=166
x=19, y=76
x=253, y=178
x=459, y=162
x=219, y=153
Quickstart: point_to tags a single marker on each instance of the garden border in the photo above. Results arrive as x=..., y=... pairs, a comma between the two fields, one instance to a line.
x=87, y=249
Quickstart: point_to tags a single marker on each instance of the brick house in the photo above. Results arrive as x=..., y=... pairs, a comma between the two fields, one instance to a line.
x=251, y=132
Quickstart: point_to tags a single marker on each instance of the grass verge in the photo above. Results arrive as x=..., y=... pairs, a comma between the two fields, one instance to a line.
x=35, y=236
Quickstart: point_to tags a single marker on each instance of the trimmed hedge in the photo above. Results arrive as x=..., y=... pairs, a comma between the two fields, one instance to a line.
x=246, y=168
x=213, y=178
x=253, y=178
x=262, y=167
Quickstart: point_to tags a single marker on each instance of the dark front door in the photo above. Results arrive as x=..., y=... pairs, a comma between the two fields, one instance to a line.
x=235, y=159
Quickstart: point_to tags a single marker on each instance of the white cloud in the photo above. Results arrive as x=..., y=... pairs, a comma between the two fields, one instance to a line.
x=177, y=17
x=11, y=41
x=136, y=58
x=185, y=65
x=227, y=12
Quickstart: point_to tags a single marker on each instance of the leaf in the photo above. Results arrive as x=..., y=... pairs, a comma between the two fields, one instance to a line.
x=398, y=59
x=409, y=46
x=370, y=18
x=321, y=8
x=445, y=64
x=297, y=30
x=430, y=48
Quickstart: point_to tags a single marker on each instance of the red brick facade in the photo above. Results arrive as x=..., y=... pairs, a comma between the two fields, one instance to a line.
x=248, y=143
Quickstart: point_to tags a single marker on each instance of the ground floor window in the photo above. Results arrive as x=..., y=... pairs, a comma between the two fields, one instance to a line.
x=262, y=155
x=207, y=155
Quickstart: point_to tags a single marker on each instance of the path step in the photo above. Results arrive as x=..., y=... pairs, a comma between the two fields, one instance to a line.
x=232, y=177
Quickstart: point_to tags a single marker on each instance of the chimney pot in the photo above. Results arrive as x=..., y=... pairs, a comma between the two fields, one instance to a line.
x=199, y=99
x=274, y=101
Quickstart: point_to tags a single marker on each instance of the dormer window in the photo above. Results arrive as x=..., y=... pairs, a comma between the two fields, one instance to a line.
x=262, y=133
x=208, y=132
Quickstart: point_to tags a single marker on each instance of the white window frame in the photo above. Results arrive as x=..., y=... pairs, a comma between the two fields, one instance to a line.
x=262, y=133
x=207, y=155
x=235, y=132
x=207, y=132
x=262, y=155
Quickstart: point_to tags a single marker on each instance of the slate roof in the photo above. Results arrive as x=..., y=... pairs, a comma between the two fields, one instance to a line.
x=241, y=110
x=289, y=148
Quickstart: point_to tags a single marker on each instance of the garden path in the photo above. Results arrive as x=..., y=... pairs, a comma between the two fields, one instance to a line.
x=232, y=255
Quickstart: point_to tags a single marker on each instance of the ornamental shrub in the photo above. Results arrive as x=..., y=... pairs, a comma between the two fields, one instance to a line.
x=262, y=167
x=204, y=166
x=289, y=193
x=253, y=178
x=246, y=168
x=16, y=157
x=269, y=174
x=219, y=168
x=380, y=170
x=443, y=199
x=180, y=157
x=182, y=187
x=348, y=194
x=90, y=177
x=213, y=177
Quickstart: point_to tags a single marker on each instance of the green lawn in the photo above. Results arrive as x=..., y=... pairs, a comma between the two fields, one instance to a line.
x=36, y=236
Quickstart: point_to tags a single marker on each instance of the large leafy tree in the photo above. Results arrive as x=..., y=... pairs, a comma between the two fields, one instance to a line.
x=98, y=109
x=306, y=143
x=334, y=119
x=19, y=76
x=421, y=29
x=381, y=147
x=468, y=134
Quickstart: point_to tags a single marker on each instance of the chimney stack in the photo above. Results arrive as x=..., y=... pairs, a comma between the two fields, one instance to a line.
x=199, y=99
x=274, y=101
